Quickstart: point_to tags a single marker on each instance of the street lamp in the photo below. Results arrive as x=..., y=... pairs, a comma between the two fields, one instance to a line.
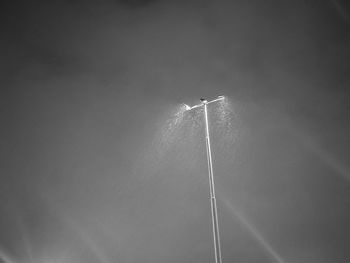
x=214, y=212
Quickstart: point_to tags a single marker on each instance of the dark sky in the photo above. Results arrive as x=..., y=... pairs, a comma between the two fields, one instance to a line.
x=93, y=170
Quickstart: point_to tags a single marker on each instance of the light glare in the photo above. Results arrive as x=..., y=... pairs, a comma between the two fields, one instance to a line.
x=186, y=107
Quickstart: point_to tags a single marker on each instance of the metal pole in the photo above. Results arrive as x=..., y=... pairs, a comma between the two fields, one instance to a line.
x=214, y=212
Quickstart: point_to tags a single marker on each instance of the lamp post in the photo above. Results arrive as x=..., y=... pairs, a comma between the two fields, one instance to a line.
x=214, y=213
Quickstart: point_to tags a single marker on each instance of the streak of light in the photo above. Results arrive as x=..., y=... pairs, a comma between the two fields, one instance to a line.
x=341, y=11
x=252, y=230
x=79, y=231
x=86, y=238
x=325, y=156
x=4, y=257
x=24, y=237
x=22, y=231
x=311, y=144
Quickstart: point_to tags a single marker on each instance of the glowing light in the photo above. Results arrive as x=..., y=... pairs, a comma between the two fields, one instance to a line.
x=186, y=107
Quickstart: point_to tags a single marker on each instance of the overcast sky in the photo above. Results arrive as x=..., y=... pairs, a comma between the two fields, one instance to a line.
x=98, y=168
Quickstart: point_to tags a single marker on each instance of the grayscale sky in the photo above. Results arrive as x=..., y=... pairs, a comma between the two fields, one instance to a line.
x=97, y=168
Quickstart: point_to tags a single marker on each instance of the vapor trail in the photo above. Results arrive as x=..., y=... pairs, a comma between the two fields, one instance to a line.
x=249, y=226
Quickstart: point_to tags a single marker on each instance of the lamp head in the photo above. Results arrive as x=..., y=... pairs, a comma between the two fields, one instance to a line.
x=186, y=107
x=203, y=100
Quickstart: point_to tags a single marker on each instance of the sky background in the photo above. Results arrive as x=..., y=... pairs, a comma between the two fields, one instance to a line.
x=98, y=168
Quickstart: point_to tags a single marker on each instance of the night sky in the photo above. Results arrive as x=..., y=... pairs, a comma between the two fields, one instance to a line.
x=98, y=168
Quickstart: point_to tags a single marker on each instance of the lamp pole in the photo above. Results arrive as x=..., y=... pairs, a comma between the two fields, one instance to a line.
x=214, y=211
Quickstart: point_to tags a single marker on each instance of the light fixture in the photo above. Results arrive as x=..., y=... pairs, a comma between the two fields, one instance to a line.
x=214, y=212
